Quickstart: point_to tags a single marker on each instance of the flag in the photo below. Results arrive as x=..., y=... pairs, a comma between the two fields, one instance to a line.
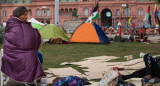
x=156, y=15
x=145, y=20
x=149, y=15
x=95, y=14
x=91, y=11
x=133, y=25
x=95, y=11
x=131, y=22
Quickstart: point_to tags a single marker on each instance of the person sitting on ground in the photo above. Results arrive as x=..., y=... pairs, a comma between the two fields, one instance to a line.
x=151, y=70
x=56, y=41
x=146, y=40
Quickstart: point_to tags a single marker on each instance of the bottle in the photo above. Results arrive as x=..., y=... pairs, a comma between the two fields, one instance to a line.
x=43, y=82
x=103, y=75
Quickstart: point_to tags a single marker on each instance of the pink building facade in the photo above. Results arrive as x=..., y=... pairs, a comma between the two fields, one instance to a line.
x=111, y=11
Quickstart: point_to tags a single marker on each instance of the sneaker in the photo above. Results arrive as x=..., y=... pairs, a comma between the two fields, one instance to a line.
x=141, y=55
x=34, y=84
x=154, y=80
x=144, y=81
x=26, y=84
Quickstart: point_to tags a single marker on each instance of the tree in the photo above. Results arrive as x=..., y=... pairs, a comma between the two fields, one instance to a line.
x=157, y=1
x=74, y=13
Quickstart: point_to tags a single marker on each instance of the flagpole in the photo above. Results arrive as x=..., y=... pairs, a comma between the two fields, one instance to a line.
x=98, y=11
x=94, y=5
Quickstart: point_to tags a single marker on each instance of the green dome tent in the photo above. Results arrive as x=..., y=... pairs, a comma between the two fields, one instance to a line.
x=38, y=26
x=53, y=31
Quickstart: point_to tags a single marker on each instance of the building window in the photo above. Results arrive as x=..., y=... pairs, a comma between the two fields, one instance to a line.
x=85, y=11
x=60, y=12
x=84, y=0
x=30, y=12
x=66, y=24
x=43, y=12
x=4, y=13
x=75, y=0
x=127, y=24
x=68, y=13
x=127, y=11
x=140, y=24
x=38, y=12
x=117, y=12
x=67, y=0
x=140, y=11
x=48, y=12
x=48, y=22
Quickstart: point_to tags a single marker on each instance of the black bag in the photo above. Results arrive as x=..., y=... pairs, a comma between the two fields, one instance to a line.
x=117, y=38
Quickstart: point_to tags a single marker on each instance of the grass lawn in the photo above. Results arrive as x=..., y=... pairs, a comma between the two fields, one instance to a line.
x=55, y=54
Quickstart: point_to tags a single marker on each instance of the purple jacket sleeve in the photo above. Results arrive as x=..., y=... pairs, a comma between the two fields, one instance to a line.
x=14, y=37
x=23, y=37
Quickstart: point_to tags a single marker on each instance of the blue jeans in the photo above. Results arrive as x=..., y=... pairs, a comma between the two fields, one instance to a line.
x=40, y=57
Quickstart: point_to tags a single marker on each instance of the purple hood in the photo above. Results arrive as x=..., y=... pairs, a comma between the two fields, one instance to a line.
x=20, y=60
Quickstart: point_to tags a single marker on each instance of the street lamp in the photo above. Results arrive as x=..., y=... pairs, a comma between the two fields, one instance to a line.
x=44, y=8
x=123, y=6
x=127, y=13
x=56, y=12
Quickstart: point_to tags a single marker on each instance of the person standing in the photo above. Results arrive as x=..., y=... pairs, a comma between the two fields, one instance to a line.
x=21, y=43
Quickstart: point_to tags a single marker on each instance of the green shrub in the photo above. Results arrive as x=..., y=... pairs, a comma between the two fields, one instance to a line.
x=1, y=34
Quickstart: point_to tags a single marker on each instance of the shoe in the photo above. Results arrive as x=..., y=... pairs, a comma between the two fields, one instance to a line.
x=34, y=84
x=144, y=81
x=26, y=84
x=154, y=80
x=142, y=55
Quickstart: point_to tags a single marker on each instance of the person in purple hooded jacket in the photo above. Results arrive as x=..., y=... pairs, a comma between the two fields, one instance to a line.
x=21, y=43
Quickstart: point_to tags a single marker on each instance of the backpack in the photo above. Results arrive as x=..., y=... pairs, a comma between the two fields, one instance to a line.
x=69, y=81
